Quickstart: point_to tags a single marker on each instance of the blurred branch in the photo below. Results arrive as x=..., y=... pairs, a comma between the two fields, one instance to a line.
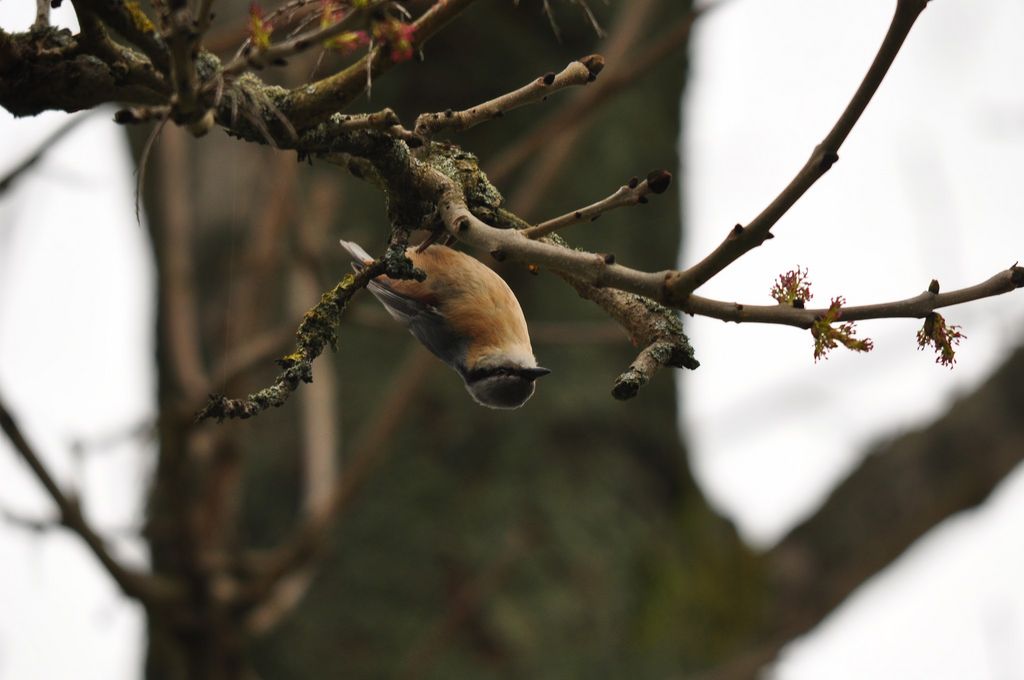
x=310, y=103
x=256, y=351
x=319, y=413
x=550, y=156
x=902, y=490
x=177, y=284
x=148, y=588
x=579, y=72
x=309, y=539
x=46, y=145
x=466, y=603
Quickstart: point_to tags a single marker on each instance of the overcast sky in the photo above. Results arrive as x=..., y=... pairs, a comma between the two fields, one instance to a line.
x=928, y=186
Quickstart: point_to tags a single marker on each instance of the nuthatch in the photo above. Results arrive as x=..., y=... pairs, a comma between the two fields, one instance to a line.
x=468, y=317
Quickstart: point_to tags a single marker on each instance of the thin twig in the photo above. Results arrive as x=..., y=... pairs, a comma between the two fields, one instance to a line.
x=743, y=239
x=579, y=72
x=632, y=193
x=277, y=53
x=624, y=70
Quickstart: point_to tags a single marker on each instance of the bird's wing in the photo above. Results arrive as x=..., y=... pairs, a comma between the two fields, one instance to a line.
x=421, y=318
x=425, y=323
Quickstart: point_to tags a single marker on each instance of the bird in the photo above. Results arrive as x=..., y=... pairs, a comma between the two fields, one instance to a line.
x=467, y=316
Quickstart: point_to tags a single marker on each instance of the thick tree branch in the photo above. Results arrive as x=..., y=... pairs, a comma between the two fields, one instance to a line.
x=743, y=239
x=128, y=20
x=48, y=70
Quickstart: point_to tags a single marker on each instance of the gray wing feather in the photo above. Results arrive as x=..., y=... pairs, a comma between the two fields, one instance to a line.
x=424, y=321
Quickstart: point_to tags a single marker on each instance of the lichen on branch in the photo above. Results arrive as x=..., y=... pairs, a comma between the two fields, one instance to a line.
x=318, y=330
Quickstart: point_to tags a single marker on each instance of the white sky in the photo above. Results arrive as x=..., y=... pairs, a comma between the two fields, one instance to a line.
x=933, y=172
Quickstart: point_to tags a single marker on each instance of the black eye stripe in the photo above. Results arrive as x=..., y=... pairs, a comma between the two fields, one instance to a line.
x=481, y=373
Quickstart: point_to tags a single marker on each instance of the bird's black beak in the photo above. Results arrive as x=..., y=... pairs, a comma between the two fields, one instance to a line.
x=534, y=373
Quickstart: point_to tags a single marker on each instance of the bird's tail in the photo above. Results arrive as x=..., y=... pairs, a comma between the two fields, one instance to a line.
x=359, y=256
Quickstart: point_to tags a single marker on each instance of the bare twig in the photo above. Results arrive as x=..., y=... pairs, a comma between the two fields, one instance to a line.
x=580, y=72
x=631, y=193
x=743, y=239
x=145, y=587
x=590, y=268
x=624, y=70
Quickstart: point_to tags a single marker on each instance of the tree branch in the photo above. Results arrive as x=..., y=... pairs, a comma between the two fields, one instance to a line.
x=628, y=194
x=743, y=239
x=918, y=306
x=579, y=72
x=148, y=588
